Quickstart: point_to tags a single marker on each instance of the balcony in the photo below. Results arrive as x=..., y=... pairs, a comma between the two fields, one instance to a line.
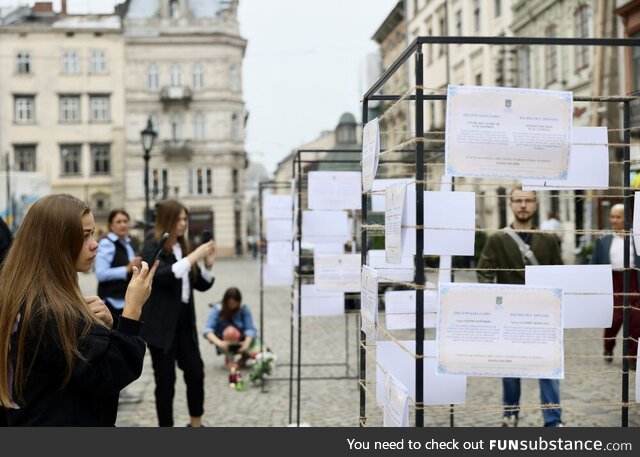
x=177, y=149
x=177, y=94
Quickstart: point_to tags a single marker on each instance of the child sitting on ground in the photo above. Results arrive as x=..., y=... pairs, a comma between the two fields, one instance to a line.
x=230, y=328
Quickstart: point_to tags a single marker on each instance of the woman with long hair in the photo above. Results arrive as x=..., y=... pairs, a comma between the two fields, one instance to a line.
x=169, y=315
x=230, y=328
x=115, y=260
x=61, y=363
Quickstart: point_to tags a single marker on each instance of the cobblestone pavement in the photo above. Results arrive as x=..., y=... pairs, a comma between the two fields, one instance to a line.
x=329, y=396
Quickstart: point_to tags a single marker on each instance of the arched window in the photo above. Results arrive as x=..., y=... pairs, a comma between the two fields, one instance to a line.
x=198, y=126
x=198, y=76
x=155, y=122
x=174, y=9
x=153, y=78
x=551, y=56
x=175, y=75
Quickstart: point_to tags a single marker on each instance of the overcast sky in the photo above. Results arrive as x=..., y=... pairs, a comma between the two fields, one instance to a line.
x=301, y=68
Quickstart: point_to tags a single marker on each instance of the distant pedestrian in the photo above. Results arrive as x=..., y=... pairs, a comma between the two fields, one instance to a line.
x=503, y=260
x=170, y=316
x=61, y=363
x=115, y=260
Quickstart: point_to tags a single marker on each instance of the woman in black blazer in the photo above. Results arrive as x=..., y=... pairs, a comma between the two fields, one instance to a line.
x=169, y=314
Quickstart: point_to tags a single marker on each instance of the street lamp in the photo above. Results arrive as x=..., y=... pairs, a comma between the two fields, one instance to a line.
x=148, y=136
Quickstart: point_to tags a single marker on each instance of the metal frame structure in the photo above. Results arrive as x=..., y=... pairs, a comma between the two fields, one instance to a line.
x=415, y=50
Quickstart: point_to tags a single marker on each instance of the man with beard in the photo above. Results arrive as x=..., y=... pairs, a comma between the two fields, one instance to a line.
x=503, y=260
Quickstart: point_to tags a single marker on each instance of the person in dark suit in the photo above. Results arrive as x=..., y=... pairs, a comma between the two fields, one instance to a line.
x=61, y=362
x=609, y=249
x=169, y=315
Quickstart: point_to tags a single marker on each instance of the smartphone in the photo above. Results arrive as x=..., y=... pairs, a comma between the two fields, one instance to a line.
x=206, y=236
x=163, y=240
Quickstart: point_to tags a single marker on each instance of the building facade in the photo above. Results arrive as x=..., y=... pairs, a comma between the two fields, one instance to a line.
x=184, y=65
x=62, y=104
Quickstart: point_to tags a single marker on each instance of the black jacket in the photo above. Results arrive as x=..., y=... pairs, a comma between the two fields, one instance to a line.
x=111, y=361
x=160, y=313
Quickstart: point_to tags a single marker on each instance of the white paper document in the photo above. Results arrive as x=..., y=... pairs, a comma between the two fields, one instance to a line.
x=500, y=132
x=387, y=272
x=588, y=292
x=588, y=166
x=380, y=187
x=400, y=309
x=334, y=190
x=394, y=204
x=279, y=230
x=325, y=227
x=320, y=302
x=370, y=153
x=449, y=223
x=401, y=363
x=276, y=275
x=500, y=330
x=338, y=273
x=396, y=403
x=369, y=302
x=277, y=207
x=279, y=253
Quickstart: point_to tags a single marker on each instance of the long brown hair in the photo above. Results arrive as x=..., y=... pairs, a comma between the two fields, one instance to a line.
x=232, y=293
x=167, y=215
x=39, y=281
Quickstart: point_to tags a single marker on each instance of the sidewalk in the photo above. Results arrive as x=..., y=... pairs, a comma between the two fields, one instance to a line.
x=590, y=392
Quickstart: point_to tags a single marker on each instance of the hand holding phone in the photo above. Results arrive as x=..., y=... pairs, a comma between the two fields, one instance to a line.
x=206, y=236
x=163, y=240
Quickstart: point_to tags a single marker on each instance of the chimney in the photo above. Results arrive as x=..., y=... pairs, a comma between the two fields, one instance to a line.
x=42, y=7
x=63, y=7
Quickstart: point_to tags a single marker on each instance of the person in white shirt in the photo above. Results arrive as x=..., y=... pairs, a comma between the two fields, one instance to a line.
x=169, y=315
x=553, y=225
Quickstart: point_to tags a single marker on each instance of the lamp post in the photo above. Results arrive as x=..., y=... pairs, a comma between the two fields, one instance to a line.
x=148, y=136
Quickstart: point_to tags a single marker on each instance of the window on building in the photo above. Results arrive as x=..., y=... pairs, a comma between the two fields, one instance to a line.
x=176, y=127
x=497, y=7
x=99, y=108
x=416, y=7
x=524, y=71
x=458, y=22
x=235, y=185
x=234, y=78
x=581, y=30
x=198, y=126
x=23, y=63
x=443, y=32
x=478, y=79
x=24, y=109
x=70, y=109
x=476, y=16
x=174, y=9
x=98, y=62
x=24, y=157
x=551, y=56
x=155, y=122
x=160, y=183
x=153, y=77
x=70, y=63
x=100, y=159
x=200, y=181
x=175, y=75
x=235, y=127
x=198, y=76
x=71, y=159
x=429, y=47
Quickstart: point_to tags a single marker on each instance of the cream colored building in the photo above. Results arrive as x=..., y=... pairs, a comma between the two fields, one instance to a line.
x=61, y=101
x=184, y=65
